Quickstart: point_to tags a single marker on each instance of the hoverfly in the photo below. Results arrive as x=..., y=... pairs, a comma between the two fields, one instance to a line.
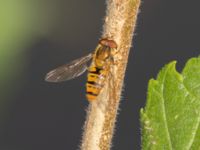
x=97, y=72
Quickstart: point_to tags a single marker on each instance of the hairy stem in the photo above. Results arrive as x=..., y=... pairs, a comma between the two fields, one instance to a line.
x=119, y=25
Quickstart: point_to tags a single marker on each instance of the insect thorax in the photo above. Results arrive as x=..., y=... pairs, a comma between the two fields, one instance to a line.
x=102, y=55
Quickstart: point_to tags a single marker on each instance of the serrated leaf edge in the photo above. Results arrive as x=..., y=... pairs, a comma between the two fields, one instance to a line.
x=162, y=82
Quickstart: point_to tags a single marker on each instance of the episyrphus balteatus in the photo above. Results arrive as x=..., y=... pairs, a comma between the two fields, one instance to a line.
x=97, y=72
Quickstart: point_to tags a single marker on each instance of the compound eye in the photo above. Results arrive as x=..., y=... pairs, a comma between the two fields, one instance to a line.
x=113, y=45
x=109, y=43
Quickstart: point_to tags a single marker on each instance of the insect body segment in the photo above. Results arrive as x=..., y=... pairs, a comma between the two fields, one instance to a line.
x=93, y=88
x=97, y=72
x=99, y=69
x=95, y=82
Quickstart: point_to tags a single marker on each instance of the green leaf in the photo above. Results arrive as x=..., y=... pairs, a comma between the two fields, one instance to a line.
x=171, y=117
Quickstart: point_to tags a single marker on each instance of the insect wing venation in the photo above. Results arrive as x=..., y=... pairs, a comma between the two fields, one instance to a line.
x=70, y=70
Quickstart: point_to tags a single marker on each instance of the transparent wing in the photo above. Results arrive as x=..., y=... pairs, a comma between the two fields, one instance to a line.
x=70, y=70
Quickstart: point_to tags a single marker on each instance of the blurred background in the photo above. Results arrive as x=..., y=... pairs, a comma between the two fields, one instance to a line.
x=38, y=35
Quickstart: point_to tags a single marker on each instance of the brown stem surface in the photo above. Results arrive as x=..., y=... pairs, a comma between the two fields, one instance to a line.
x=119, y=25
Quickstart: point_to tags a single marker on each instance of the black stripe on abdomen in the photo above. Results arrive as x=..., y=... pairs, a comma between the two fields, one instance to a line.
x=91, y=93
x=91, y=82
x=94, y=84
x=97, y=71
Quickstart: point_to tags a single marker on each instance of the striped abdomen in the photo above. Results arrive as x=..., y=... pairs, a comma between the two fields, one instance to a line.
x=95, y=82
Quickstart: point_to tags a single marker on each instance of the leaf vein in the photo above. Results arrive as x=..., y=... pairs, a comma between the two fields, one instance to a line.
x=164, y=111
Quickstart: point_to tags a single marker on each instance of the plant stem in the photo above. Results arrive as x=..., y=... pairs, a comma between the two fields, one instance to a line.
x=119, y=25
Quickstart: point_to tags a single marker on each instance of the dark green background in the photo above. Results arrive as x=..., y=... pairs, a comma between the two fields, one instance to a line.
x=36, y=115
